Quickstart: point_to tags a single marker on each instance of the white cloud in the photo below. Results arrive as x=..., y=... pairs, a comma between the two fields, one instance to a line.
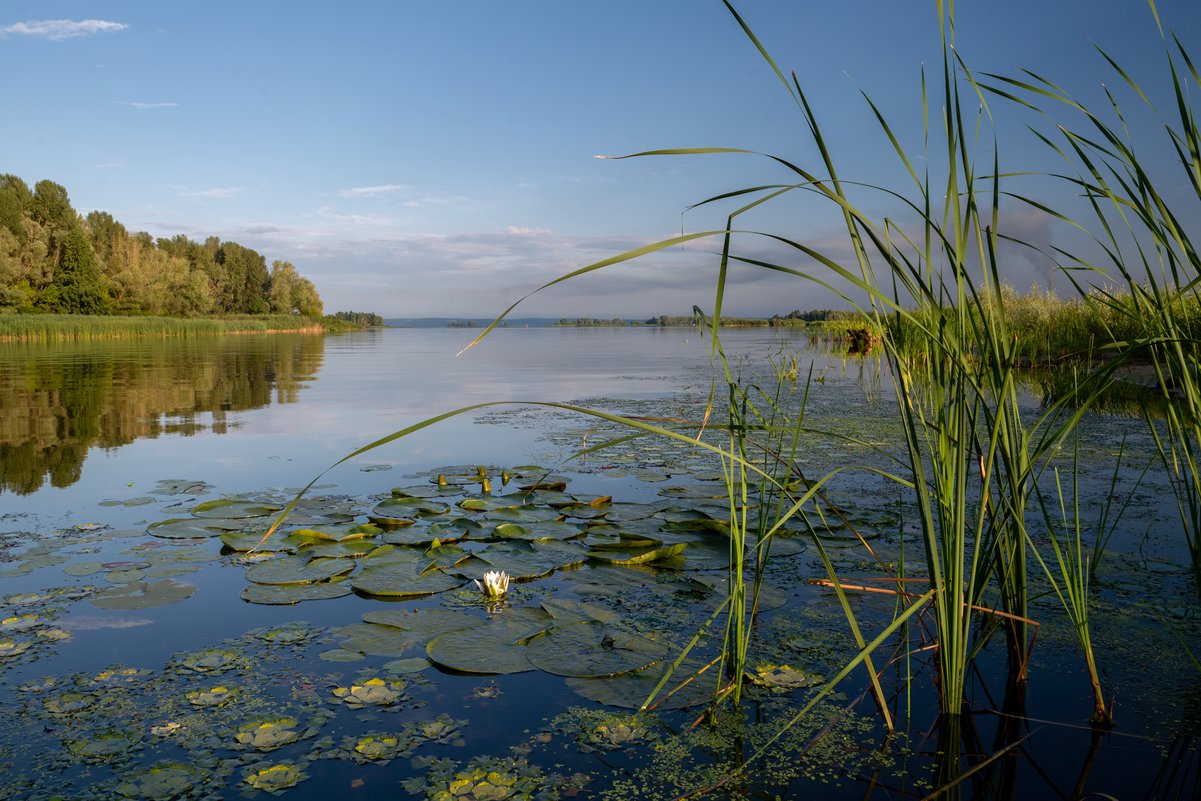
x=374, y=191
x=139, y=104
x=57, y=30
x=216, y=192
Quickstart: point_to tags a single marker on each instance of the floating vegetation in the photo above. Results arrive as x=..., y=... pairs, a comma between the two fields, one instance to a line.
x=416, y=639
x=211, y=660
x=784, y=678
x=213, y=696
x=164, y=781
x=269, y=733
x=274, y=779
x=374, y=692
x=602, y=730
x=143, y=595
x=487, y=779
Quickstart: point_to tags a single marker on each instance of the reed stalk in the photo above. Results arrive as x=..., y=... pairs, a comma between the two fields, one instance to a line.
x=1070, y=581
x=1142, y=227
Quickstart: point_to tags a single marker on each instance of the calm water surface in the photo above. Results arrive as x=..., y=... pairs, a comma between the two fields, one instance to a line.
x=94, y=421
x=100, y=440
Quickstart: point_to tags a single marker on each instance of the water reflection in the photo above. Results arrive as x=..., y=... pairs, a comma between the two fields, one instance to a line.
x=57, y=402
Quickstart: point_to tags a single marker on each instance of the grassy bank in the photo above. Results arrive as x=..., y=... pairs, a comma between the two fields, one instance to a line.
x=69, y=327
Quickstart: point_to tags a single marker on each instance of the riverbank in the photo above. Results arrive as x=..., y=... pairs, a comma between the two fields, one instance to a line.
x=68, y=327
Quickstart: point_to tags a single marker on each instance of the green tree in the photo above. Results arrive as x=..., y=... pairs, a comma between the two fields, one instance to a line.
x=51, y=206
x=283, y=287
x=245, y=280
x=76, y=288
x=306, y=299
x=15, y=200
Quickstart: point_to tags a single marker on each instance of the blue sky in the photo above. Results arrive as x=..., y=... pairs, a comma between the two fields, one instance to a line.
x=437, y=158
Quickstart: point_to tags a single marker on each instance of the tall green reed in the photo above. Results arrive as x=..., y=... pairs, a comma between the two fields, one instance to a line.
x=1143, y=231
x=1074, y=570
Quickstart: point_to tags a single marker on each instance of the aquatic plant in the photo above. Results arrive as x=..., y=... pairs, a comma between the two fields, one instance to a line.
x=496, y=584
x=1145, y=243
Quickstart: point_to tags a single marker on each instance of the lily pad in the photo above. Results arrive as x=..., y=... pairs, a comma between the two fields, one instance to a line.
x=140, y=595
x=276, y=778
x=427, y=623
x=498, y=647
x=280, y=594
x=544, y=530
x=182, y=528
x=369, y=638
x=399, y=580
x=163, y=781
x=298, y=570
x=233, y=508
x=592, y=649
x=420, y=536
x=630, y=690
x=373, y=692
x=638, y=557
x=269, y=733
x=243, y=541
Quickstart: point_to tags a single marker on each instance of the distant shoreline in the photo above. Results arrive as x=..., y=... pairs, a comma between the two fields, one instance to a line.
x=79, y=327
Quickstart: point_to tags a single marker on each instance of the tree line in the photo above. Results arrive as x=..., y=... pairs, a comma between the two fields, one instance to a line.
x=360, y=319
x=52, y=259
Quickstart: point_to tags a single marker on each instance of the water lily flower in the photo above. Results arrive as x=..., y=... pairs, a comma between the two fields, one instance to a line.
x=496, y=583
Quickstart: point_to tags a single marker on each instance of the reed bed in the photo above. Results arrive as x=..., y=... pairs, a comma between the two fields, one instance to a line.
x=72, y=327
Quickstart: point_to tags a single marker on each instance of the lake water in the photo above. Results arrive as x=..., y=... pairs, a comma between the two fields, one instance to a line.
x=134, y=668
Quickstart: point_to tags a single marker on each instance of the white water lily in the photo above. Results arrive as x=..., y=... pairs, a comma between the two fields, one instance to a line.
x=496, y=583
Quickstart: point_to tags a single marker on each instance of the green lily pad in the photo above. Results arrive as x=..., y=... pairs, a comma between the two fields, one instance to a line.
x=142, y=501
x=298, y=570
x=419, y=536
x=407, y=506
x=545, y=530
x=164, y=781
x=414, y=664
x=234, y=509
x=213, y=696
x=269, y=733
x=630, y=690
x=427, y=623
x=784, y=677
x=639, y=557
x=243, y=541
x=140, y=595
x=373, y=692
x=343, y=532
x=592, y=649
x=496, y=647
x=352, y=549
x=105, y=746
x=525, y=560
x=482, y=504
x=182, y=528
x=281, y=594
x=376, y=640
x=399, y=580
x=619, y=540
x=276, y=778
x=124, y=576
x=80, y=569
x=566, y=611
